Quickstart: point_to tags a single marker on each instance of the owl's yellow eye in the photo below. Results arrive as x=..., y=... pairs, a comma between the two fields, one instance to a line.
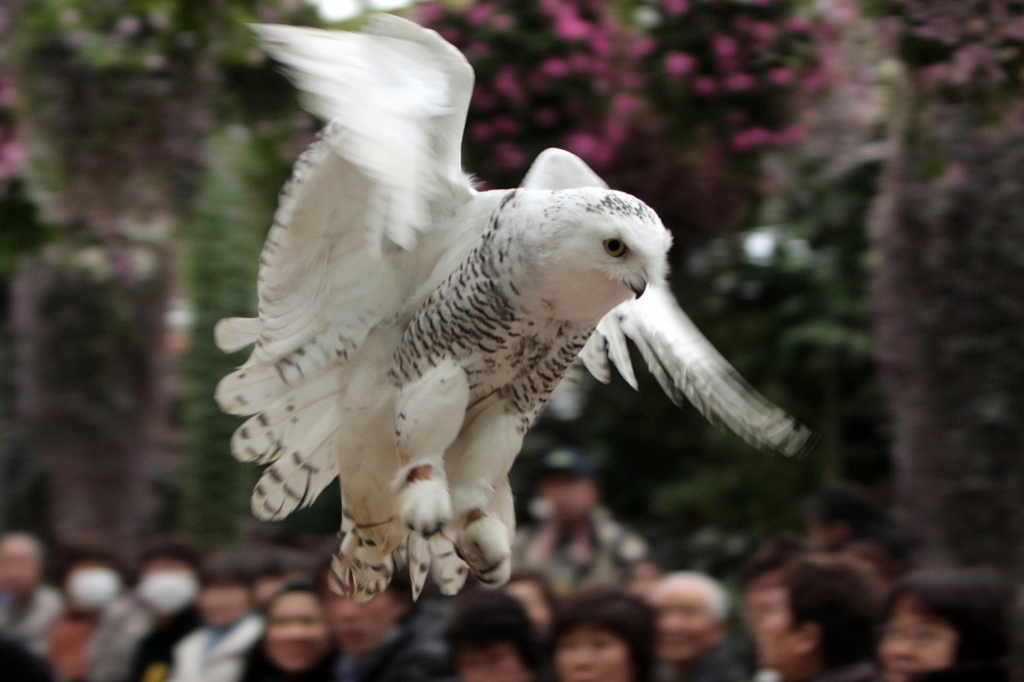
x=614, y=247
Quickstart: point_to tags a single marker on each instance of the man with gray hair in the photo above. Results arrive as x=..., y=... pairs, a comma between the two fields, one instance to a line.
x=692, y=617
x=28, y=609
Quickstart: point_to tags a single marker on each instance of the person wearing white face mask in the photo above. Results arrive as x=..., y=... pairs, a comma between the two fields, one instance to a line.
x=90, y=582
x=166, y=595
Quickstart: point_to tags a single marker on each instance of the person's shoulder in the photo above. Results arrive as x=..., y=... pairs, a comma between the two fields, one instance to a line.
x=977, y=672
x=21, y=664
x=420, y=654
x=721, y=665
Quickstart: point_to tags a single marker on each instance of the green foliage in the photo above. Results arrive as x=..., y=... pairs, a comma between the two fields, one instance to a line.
x=224, y=243
x=20, y=229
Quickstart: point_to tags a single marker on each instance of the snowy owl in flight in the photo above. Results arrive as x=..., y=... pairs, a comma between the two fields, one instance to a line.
x=410, y=328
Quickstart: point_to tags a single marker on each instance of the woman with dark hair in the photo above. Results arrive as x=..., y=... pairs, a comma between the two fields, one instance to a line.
x=533, y=591
x=945, y=626
x=491, y=639
x=297, y=644
x=604, y=634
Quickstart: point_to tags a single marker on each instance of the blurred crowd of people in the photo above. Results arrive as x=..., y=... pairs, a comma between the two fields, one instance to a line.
x=585, y=604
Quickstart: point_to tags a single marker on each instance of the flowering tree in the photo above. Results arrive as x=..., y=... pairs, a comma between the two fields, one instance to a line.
x=549, y=73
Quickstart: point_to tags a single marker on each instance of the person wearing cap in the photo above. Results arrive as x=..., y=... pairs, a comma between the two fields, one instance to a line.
x=577, y=541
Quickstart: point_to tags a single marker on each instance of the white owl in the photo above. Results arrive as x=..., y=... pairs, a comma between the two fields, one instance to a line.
x=410, y=328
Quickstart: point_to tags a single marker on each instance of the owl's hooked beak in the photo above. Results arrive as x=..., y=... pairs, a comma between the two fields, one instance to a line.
x=638, y=287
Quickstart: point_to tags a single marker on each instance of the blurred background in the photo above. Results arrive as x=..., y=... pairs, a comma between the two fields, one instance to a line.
x=844, y=180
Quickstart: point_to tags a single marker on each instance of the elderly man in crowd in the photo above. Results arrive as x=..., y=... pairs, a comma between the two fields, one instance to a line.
x=822, y=629
x=28, y=609
x=692, y=611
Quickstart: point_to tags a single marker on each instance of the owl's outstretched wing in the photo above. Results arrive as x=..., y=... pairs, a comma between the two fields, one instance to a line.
x=682, y=360
x=357, y=229
x=343, y=250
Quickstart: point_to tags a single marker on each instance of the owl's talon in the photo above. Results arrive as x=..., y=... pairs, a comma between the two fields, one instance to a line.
x=427, y=507
x=483, y=545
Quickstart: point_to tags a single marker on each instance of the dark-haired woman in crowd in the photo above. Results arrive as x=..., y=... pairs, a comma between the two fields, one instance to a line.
x=491, y=639
x=946, y=626
x=297, y=644
x=604, y=635
x=533, y=591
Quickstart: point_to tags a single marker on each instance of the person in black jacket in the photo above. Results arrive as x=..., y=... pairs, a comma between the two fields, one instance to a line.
x=167, y=588
x=947, y=626
x=18, y=663
x=389, y=638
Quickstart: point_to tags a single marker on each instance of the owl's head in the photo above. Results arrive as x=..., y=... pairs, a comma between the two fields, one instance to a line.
x=599, y=247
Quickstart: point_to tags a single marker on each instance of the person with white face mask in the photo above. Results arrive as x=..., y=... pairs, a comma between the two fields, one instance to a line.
x=90, y=582
x=167, y=590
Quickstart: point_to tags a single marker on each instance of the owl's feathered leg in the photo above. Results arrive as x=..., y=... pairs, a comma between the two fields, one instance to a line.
x=428, y=416
x=486, y=450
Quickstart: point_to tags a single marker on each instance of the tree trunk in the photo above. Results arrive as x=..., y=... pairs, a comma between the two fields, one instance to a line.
x=949, y=315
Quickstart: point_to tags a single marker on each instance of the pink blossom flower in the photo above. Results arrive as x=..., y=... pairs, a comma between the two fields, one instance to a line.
x=615, y=132
x=631, y=80
x=569, y=26
x=705, y=86
x=481, y=131
x=782, y=75
x=624, y=104
x=508, y=156
x=509, y=127
x=748, y=139
x=582, y=144
x=796, y=133
x=643, y=47
x=764, y=30
x=798, y=24
x=679, y=64
x=479, y=14
x=452, y=35
x=555, y=68
x=12, y=158
x=478, y=50
x=429, y=12
x=739, y=82
x=675, y=6
x=502, y=22
x=590, y=148
x=601, y=44
x=724, y=46
x=507, y=84
x=8, y=91
x=815, y=80
x=581, y=63
x=546, y=117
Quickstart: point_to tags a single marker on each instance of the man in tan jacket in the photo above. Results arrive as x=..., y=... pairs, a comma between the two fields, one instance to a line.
x=577, y=542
